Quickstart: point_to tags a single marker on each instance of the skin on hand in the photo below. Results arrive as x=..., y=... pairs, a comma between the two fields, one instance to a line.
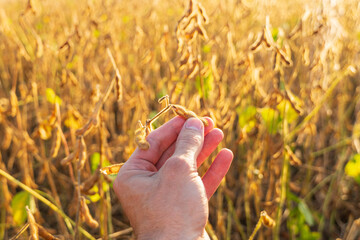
x=160, y=189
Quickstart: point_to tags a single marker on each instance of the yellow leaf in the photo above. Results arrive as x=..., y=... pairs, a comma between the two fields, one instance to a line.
x=73, y=119
x=51, y=97
x=352, y=168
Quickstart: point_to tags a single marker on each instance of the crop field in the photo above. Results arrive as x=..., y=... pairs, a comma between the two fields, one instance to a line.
x=280, y=78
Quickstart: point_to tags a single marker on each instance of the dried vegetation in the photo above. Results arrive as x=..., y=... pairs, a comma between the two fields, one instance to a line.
x=280, y=78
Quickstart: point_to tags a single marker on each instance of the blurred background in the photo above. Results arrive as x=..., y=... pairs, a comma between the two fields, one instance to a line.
x=280, y=78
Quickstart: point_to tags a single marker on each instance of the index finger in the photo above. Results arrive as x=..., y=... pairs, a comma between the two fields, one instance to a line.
x=160, y=139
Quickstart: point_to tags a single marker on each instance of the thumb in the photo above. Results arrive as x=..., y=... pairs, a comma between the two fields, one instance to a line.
x=190, y=141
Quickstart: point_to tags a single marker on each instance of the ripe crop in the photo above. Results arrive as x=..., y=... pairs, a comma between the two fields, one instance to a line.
x=79, y=84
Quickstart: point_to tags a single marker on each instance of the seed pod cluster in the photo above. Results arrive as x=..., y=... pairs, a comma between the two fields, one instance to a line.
x=267, y=39
x=143, y=131
x=191, y=24
x=67, y=47
x=94, y=118
x=189, y=27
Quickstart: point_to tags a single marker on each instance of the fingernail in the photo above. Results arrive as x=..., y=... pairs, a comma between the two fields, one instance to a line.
x=194, y=124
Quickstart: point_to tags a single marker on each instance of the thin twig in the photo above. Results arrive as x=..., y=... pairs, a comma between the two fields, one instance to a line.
x=21, y=231
x=118, y=234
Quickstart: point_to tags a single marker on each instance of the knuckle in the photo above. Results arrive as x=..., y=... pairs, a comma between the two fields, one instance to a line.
x=176, y=165
x=192, y=139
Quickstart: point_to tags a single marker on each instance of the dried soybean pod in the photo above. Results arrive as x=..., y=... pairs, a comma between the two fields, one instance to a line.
x=90, y=182
x=201, y=30
x=275, y=60
x=82, y=153
x=13, y=103
x=257, y=42
x=112, y=169
x=85, y=214
x=72, y=155
x=294, y=160
x=143, y=145
x=296, y=29
x=203, y=13
x=119, y=93
x=266, y=220
x=45, y=234
x=184, y=58
x=140, y=140
x=191, y=34
x=85, y=129
x=69, y=158
x=284, y=57
x=140, y=135
x=183, y=112
x=7, y=138
x=268, y=39
x=193, y=70
x=34, y=234
x=56, y=143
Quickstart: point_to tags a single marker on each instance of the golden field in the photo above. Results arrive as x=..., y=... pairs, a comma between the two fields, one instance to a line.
x=280, y=78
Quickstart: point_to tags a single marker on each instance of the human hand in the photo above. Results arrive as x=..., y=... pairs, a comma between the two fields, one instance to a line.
x=160, y=189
